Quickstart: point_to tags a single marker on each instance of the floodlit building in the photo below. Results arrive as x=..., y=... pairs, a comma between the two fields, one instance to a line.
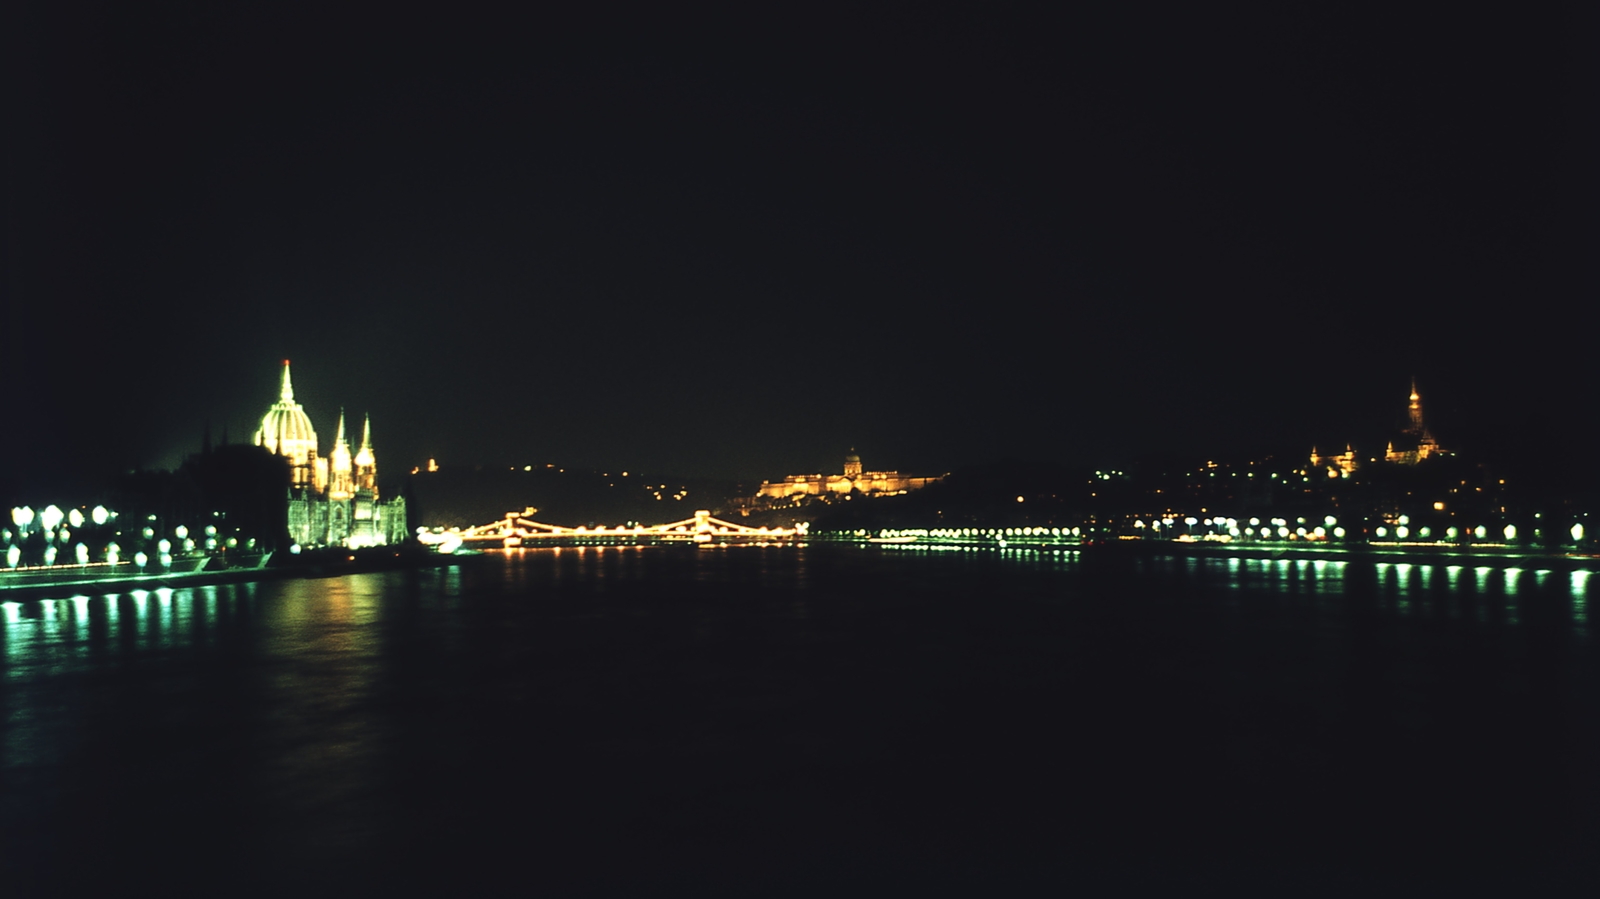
x=333, y=500
x=1341, y=465
x=853, y=478
x=1417, y=444
x=1424, y=446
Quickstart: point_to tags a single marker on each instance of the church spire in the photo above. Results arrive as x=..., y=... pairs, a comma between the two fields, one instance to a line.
x=1416, y=409
x=287, y=392
x=366, y=465
x=338, y=438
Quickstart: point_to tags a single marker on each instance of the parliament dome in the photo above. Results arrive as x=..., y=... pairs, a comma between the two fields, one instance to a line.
x=286, y=429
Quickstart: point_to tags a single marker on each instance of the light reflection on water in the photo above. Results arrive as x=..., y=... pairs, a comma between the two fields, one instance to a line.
x=1406, y=588
x=321, y=701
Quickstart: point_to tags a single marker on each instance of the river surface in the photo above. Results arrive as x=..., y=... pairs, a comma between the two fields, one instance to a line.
x=809, y=721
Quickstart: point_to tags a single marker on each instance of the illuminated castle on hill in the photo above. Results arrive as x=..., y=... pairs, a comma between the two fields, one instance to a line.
x=1418, y=445
x=333, y=500
x=853, y=478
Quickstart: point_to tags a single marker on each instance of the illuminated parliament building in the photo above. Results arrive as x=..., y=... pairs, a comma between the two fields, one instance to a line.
x=853, y=478
x=333, y=499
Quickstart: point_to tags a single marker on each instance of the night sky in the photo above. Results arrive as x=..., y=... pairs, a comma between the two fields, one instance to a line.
x=739, y=244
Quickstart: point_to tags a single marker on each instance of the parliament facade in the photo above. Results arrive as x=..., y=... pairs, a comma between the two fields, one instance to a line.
x=333, y=499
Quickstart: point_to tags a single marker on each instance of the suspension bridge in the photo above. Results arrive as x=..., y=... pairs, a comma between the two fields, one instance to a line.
x=519, y=529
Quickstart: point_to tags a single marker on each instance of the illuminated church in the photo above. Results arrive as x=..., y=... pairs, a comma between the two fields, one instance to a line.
x=333, y=499
x=1425, y=446
x=853, y=478
x=1418, y=444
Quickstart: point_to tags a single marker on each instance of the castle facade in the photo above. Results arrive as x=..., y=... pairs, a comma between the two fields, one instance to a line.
x=882, y=483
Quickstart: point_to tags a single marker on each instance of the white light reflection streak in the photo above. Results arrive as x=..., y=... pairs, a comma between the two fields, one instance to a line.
x=1580, y=602
x=1513, y=578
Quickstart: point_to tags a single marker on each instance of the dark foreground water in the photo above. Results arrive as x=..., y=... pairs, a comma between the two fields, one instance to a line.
x=831, y=720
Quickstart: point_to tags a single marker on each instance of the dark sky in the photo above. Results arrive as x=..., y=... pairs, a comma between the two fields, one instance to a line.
x=740, y=244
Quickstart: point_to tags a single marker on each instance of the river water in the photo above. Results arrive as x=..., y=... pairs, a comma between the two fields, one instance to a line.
x=802, y=721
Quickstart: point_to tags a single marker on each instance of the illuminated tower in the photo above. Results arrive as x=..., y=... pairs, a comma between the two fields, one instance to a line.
x=340, y=483
x=852, y=465
x=366, y=464
x=1425, y=444
x=1416, y=412
x=286, y=430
